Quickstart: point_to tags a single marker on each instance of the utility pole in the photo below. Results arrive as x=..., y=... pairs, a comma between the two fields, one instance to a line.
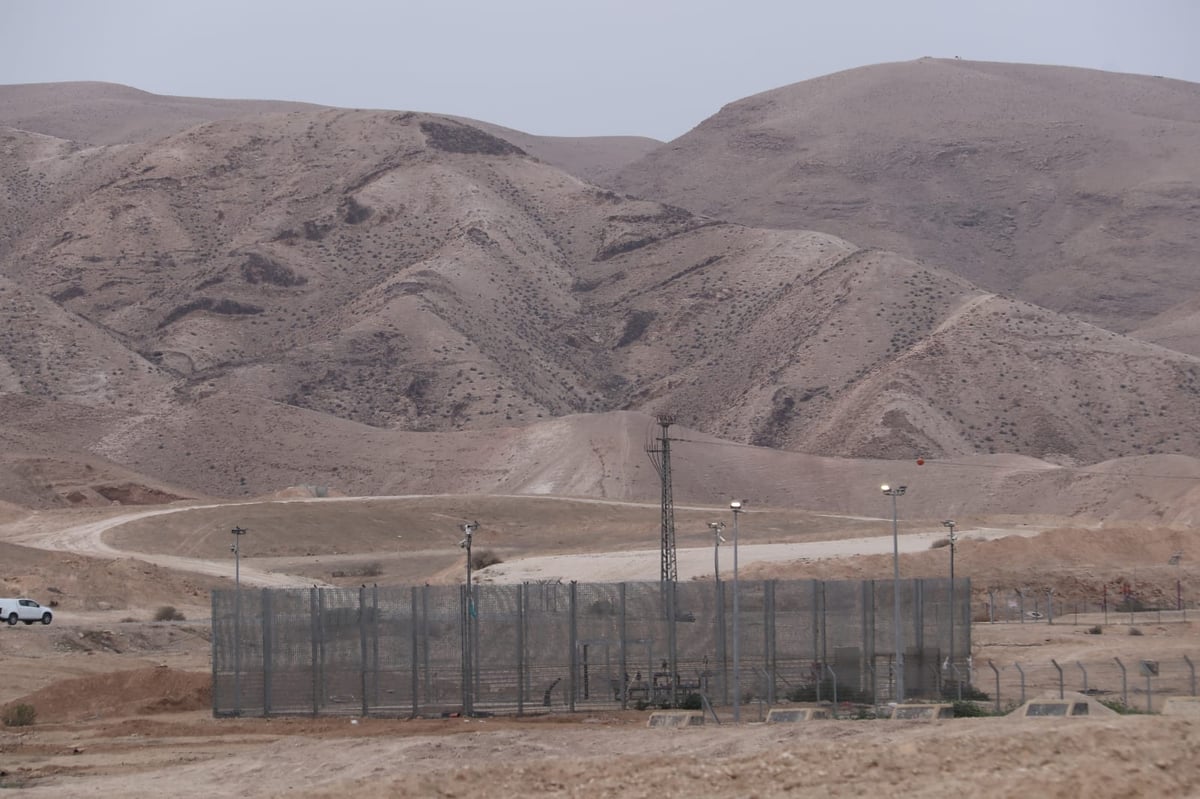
x=236, y=549
x=660, y=456
x=717, y=527
x=953, y=608
x=469, y=630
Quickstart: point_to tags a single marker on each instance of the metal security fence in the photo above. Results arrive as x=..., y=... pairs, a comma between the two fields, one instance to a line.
x=1140, y=683
x=432, y=650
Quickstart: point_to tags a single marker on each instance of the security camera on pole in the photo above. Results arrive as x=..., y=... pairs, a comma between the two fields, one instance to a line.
x=469, y=529
x=236, y=549
x=893, y=492
x=737, y=506
x=718, y=539
x=953, y=608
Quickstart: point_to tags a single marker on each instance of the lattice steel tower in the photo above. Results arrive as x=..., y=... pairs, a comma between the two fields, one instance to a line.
x=660, y=456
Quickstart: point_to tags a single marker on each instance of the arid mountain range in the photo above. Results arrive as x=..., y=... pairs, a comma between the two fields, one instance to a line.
x=228, y=298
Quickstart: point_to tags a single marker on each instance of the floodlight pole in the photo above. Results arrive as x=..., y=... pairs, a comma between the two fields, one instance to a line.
x=893, y=492
x=236, y=549
x=953, y=608
x=736, y=506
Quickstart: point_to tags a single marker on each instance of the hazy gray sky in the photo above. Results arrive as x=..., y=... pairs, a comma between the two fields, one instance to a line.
x=562, y=67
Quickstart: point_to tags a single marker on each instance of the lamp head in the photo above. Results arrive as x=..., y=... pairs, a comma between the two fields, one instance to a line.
x=736, y=505
x=885, y=488
x=948, y=523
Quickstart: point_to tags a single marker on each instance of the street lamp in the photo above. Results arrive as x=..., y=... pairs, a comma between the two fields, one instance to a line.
x=953, y=608
x=893, y=492
x=716, y=527
x=736, y=506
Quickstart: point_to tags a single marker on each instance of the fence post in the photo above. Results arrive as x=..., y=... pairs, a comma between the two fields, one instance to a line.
x=521, y=649
x=1124, y=683
x=316, y=660
x=415, y=672
x=769, y=638
x=1021, y=671
x=817, y=626
x=1060, y=678
x=375, y=646
x=874, y=687
x=833, y=674
x=464, y=621
x=868, y=626
x=362, y=648
x=1020, y=606
x=1192, y=669
x=573, y=643
x=216, y=683
x=266, y=650
x=1149, y=692
x=996, y=671
x=991, y=606
x=1079, y=663
x=425, y=643
x=624, y=651
x=321, y=686
x=722, y=646
x=1050, y=606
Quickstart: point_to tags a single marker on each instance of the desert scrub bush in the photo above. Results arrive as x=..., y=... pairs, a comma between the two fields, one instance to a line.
x=1095, y=629
x=484, y=558
x=939, y=543
x=19, y=715
x=1120, y=707
x=965, y=709
x=168, y=613
x=1135, y=631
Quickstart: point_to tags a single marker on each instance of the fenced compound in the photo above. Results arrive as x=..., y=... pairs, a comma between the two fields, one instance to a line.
x=432, y=650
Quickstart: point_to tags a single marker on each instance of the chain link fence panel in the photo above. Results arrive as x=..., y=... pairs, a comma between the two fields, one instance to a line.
x=438, y=650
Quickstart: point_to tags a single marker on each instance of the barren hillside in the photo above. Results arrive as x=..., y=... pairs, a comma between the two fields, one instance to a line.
x=1072, y=189
x=388, y=302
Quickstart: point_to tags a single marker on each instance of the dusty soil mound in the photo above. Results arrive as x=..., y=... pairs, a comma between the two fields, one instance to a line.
x=122, y=693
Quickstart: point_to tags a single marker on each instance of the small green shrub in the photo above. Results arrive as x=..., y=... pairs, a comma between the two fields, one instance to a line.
x=372, y=569
x=691, y=702
x=809, y=693
x=168, y=613
x=966, y=709
x=1120, y=707
x=969, y=691
x=20, y=715
x=1095, y=630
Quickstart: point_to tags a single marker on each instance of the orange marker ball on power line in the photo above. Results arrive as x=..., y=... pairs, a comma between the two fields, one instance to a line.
x=920, y=461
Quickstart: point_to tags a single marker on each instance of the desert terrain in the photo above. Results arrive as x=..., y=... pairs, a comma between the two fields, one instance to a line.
x=349, y=332
x=123, y=700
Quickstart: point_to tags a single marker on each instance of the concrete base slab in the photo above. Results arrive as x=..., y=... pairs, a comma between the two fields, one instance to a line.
x=676, y=718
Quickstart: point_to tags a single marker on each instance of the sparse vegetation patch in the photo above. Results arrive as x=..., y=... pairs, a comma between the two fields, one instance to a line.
x=225, y=307
x=458, y=138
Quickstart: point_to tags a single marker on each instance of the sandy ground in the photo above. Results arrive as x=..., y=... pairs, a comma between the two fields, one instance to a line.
x=123, y=701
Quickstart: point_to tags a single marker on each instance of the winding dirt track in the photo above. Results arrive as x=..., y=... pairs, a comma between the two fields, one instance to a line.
x=88, y=539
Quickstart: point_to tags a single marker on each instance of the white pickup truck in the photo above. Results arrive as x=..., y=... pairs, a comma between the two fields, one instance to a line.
x=26, y=610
